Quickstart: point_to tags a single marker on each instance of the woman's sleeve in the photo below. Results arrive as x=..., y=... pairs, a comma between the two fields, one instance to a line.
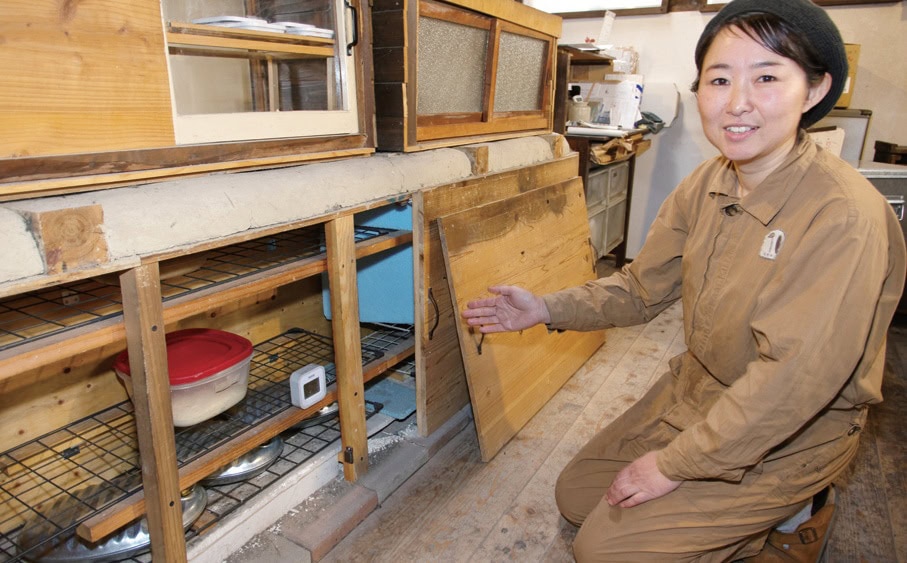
x=637, y=293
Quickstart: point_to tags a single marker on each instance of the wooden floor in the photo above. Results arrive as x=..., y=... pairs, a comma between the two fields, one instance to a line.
x=456, y=508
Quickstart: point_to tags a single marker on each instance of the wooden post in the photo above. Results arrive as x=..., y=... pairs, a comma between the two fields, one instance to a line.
x=341, y=257
x=144, y=319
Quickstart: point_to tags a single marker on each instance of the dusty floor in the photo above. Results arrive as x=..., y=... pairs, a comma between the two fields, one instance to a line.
x=456, y=508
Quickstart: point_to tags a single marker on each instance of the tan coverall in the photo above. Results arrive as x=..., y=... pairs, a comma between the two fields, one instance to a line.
x=787, y=296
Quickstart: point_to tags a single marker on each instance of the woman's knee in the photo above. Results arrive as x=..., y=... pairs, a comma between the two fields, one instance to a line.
x=585, y=545
x=566, y=499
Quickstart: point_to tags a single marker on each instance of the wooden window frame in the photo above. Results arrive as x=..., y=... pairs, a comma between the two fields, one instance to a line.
x=619, y=7
x=488, y=121
x=61, y=172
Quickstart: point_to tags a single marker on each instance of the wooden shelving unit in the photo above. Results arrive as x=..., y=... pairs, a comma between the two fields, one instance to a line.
x=142, y=454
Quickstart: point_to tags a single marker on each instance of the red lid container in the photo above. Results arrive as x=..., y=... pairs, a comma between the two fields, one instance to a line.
x=197, y=353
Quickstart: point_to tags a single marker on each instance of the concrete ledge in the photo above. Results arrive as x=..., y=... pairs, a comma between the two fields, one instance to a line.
x=177, y=215
x=439, y=438
x=320, y=534
x=273, y=504
x=323, y=519
x=22, y=255
x=404, y=460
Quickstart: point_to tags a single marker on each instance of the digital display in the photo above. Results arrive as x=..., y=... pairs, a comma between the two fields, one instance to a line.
x=311, y=387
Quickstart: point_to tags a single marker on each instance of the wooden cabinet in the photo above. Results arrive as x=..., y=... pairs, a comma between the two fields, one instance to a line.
x=459, y=71
x=58, y=342
x=256, y=262
x=575, y=66
x=609, y=189
x=110, y=93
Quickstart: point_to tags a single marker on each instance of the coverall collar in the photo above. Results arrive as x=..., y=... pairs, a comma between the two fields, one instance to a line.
x=772, y=194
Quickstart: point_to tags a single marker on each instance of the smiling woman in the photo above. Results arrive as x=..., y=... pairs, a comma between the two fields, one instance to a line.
x=789, y=266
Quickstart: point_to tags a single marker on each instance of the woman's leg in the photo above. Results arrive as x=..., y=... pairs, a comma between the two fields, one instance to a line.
x=706, y=520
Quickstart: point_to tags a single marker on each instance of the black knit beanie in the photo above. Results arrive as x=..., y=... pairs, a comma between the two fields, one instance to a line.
x=810, y=21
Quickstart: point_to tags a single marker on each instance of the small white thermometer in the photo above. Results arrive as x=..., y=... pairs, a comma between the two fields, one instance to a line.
x=307, y=386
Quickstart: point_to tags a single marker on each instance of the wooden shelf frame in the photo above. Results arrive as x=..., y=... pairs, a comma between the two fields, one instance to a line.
x=32, y=354
x=278, y=45
x=111, y=519
x=142, y=326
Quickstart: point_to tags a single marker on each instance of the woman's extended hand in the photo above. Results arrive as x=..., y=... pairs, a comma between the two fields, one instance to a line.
x=639, y=482
x=513, y=309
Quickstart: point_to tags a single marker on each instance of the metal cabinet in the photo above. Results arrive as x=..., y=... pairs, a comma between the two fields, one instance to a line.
x=891, y=180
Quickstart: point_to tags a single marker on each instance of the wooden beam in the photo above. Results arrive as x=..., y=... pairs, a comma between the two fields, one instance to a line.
x=34, y=354
x=341, y=257
x=71, y=238
x=144, y=319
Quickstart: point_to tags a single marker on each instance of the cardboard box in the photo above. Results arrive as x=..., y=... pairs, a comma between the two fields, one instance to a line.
x=853, y=56
x=589, y=73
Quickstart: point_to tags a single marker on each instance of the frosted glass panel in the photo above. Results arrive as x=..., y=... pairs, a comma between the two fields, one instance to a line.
x=520, y=73
x=451, y=72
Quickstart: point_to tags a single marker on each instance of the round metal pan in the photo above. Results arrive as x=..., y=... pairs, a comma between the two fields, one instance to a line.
x=247, y=466
x=326, y=414
x=129, y=541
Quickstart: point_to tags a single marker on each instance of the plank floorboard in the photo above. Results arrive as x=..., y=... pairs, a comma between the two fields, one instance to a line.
x=871, y=520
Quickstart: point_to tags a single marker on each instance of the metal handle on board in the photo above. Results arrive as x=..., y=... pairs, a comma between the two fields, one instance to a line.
x=349, y=46
x=897, y=204
x=431, y=298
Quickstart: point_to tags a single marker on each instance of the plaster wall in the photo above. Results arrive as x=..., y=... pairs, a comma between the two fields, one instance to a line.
x=665, y=44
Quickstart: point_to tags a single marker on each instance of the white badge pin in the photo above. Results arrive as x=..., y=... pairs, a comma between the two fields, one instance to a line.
x=771, y=244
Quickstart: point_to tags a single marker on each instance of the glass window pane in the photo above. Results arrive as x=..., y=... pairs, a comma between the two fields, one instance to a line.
x=451, y=68
x=234, y=56
x=518, y=86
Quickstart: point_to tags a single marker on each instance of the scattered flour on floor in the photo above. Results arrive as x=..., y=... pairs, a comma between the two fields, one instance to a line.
x=383, y=442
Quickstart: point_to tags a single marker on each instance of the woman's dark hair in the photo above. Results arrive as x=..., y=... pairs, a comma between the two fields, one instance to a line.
x=774, y=34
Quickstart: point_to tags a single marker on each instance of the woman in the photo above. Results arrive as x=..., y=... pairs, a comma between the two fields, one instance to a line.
x=789, y=265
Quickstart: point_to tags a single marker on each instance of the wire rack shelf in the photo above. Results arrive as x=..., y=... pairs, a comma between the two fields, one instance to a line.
x=67, y=476
x=39, y=314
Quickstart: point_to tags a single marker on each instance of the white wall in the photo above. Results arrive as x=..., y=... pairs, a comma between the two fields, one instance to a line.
x=665, y=44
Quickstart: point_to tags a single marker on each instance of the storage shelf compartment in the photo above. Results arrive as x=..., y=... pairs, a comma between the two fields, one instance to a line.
x=101, y=451
x=54, y=323
x=200, y=36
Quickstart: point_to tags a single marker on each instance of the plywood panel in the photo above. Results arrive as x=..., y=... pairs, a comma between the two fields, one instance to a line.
x=538, y=240
x=441, y=380
x=81, y=77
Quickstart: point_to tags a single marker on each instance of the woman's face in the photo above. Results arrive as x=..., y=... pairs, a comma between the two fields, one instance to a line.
x=751, y=100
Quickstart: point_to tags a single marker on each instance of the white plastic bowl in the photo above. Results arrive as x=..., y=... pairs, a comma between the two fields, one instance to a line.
x=209, y=373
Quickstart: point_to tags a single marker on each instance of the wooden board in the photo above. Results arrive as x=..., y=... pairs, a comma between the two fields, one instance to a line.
x=82, y=77
x=538, y=240
x=441, y=389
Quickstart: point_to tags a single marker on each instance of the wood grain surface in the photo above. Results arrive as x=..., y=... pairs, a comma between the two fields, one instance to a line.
x=538, y=240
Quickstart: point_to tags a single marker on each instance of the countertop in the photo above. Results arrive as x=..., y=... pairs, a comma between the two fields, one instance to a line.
x=872, y=169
